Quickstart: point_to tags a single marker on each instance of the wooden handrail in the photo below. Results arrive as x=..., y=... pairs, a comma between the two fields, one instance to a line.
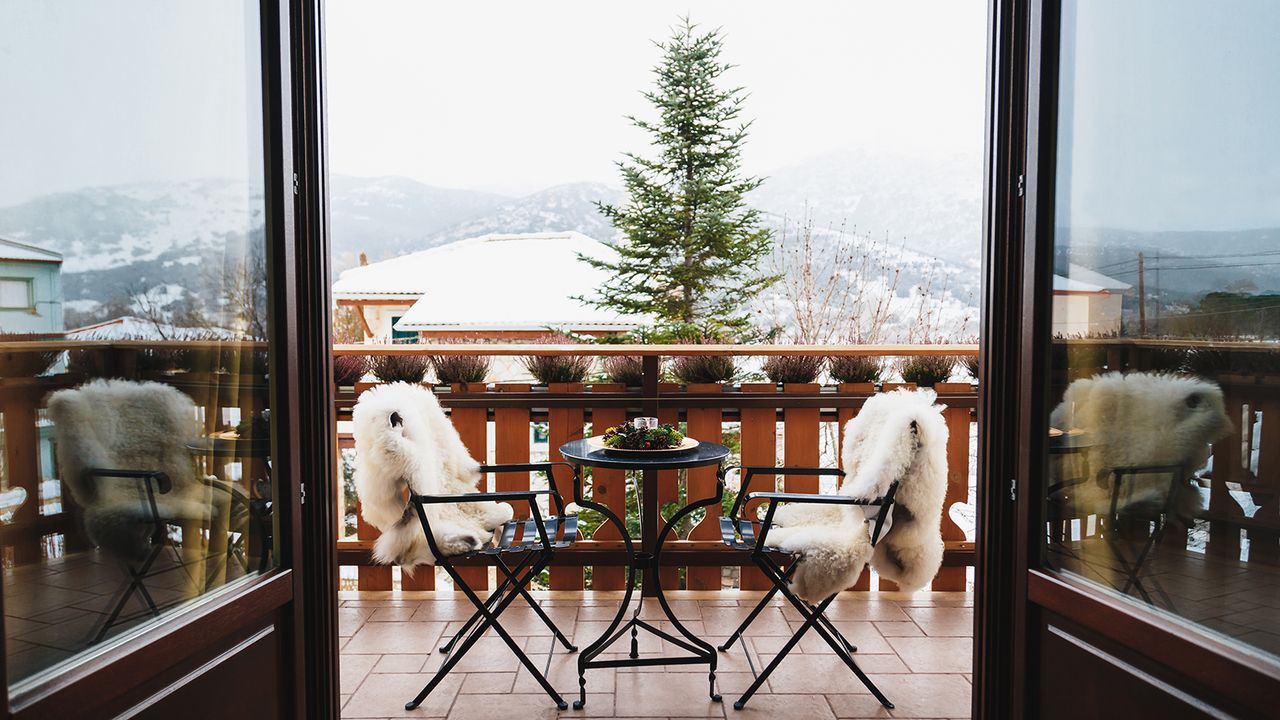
x=517, y=349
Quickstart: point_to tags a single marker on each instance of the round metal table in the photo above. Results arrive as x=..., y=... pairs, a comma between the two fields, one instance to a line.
x=649, y=559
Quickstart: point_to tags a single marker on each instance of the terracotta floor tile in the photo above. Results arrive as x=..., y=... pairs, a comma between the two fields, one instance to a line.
x=913, y=696
x=503, y=707
x=488, y=683
x=775, y=707
x=669, y=695
x=383, y=695
x=943, y=621
x=352, y=669
x=396, y=637
x=935, y=655
x=399, y=663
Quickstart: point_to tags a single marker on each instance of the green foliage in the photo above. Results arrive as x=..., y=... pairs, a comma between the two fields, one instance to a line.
x=693, y=246
x=629, y=437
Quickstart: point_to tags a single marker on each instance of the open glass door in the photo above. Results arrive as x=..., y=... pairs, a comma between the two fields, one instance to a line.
x=152, y=350
x=1148, y=472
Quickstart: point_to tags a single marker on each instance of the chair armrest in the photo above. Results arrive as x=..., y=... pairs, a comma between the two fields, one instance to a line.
x=161, y=480
x=535, y=467
x=750, y=470
x=504, y=496
x=812, y=498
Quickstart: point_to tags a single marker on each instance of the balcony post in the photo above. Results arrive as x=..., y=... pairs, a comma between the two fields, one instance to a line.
x=649, y=488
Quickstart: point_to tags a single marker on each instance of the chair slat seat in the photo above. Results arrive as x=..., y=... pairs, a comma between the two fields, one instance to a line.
x=527, y=539
x=741, y=535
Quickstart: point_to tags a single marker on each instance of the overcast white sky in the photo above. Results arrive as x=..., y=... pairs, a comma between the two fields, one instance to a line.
x=517, y=96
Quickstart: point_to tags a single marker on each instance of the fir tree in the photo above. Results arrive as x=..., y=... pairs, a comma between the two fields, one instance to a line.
x=692, y=246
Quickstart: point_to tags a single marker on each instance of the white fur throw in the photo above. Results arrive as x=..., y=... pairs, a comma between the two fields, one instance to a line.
x=1142, y=420
x=403, y=438
x=896, y=436
x=126, y=425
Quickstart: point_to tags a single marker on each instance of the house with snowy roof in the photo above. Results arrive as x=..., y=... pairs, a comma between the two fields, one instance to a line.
x=1087, y=303
x=496, y=286
x=30, y=289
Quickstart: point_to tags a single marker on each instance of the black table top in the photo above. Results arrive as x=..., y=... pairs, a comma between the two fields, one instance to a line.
x=706, y=453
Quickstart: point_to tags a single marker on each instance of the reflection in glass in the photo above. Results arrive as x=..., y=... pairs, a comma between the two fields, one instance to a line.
x=135, y=434
x=1163, y=450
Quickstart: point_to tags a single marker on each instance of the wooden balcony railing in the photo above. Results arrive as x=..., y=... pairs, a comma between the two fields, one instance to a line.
x=774, y=424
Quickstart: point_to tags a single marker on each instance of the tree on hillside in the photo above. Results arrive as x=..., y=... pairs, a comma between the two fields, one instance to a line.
x=691, y=246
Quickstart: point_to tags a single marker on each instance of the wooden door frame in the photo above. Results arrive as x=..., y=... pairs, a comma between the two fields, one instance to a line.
x=300, y=595
x=1015, y=594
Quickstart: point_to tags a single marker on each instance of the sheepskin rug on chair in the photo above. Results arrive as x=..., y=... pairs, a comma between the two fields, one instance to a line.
x=1141, y=420
x=404, y=439
x=900, y=436
x=128, y=425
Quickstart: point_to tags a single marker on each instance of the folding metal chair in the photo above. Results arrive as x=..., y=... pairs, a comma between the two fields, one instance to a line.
x=154, y=482
x=1154, y=514
x=740, y=533
x=537, y=540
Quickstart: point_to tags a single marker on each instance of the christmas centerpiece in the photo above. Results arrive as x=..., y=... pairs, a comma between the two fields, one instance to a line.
x=643, y=435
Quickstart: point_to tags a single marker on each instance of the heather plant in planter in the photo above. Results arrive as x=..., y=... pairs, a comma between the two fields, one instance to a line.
x=793, y=368
x=855, y=369
x=926, y=370
x=460, y=369
x=399, y=368
x=691, y=369
x=348, y=369
x=547, y=369
x=628, y=370
x=970, y=363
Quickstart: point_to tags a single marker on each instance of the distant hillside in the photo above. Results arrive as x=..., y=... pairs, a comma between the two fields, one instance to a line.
x=388, y=216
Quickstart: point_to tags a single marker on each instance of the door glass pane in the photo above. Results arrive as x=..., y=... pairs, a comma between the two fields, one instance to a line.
x=135, y=435
x=1164, y=447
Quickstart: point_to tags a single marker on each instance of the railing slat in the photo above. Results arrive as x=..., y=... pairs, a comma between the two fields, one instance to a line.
x=564, y=425
x=704, y=424
x=609, y=488
x=843, y=416
x=958, y=420
x=669, y=480
x=472, y=425
x=759, y=447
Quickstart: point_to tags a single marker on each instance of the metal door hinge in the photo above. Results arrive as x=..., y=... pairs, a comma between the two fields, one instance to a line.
x=295, y=184
x=302, y=493
x=1022, y=185
x=1013, y=489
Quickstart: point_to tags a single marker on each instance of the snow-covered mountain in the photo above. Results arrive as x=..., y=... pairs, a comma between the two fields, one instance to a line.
x=563, y=207
x=388, y=216
x=929, y=201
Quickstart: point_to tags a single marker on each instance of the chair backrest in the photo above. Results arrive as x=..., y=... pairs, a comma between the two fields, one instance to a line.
x=123, y=425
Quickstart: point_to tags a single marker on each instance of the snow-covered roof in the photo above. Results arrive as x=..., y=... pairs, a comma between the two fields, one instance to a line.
x=524, y=281
x=13, y=250
x=135, y=328
x=1083, y=280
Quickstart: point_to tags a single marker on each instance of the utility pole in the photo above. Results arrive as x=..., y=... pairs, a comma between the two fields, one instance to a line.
x=1142, y=296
